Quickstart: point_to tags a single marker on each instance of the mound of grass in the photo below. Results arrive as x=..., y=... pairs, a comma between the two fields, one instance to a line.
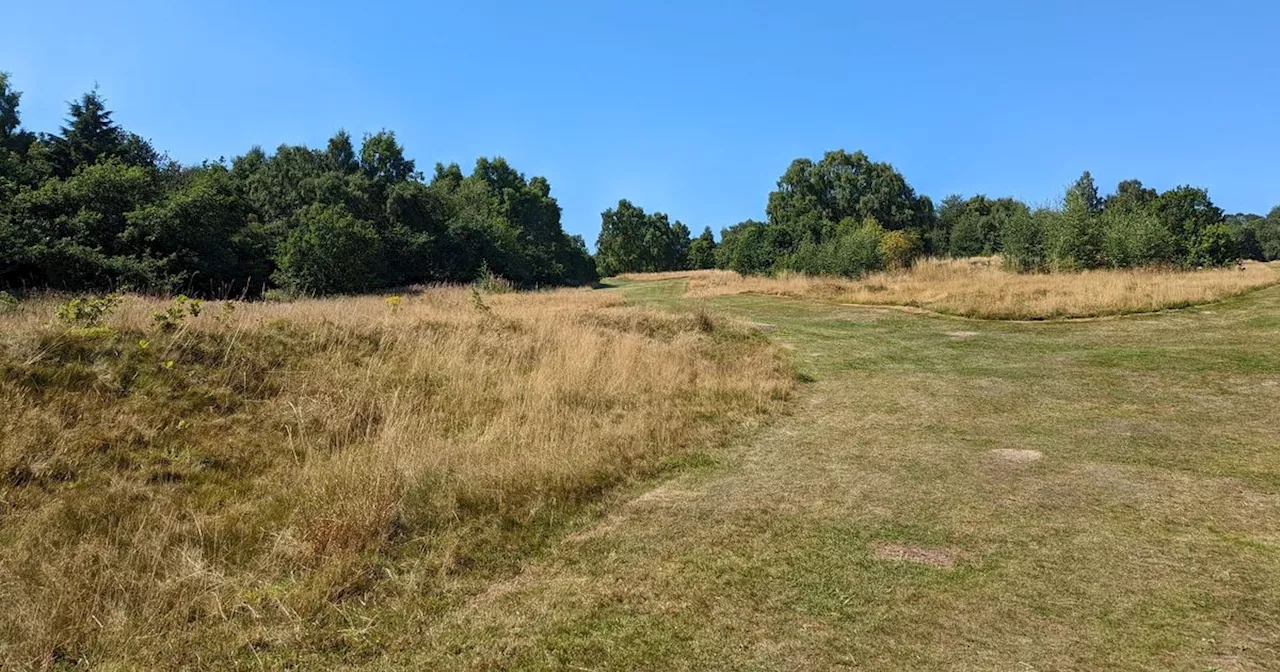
x=250, y=483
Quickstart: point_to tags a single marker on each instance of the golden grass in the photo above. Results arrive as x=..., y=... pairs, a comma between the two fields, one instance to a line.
x=251, y=479
x=979, y=288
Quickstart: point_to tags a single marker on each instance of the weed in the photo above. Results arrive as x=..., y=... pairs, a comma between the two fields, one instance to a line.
x=491, y=283
x=171, y=317
x=477, y=301
x=88, y=311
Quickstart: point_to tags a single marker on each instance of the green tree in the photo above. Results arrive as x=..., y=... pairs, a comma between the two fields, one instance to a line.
x=91, y=136
x=851, y=249
x=745, y=248
x=329, y=251
x=1022, y=241
x=702, y=251
x=200, y=236
x=632, y=241
x=1076, y=239
x=1193, y=220
x=846, y=186
x=1268, y=234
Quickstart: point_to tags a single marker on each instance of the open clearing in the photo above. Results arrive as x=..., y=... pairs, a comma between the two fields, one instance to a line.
x=1146, y=538
x=1028, y=496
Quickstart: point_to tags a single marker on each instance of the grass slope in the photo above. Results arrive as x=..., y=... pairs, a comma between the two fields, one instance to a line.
x=897, y=520
x=281, y=484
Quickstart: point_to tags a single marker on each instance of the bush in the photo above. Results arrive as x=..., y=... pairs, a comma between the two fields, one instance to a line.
x=899, y=249
x=330, y=252
x=174, y=315
x=492, y=283
x=1215, y=246
x=851, y=251
x=8, y=303
x=1137, y=239
x=1022, y=242
x=87, y=312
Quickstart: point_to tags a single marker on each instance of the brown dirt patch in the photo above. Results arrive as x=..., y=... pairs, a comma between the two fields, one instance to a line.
x=944, y=558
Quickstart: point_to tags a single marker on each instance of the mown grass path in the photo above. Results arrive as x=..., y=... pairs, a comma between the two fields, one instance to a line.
x=944, y=495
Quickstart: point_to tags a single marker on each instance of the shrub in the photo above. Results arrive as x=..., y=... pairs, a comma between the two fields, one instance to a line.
x=491, y=283
x=1022, y=242
x=1137, y=239
x=8, y=303
x=1215, y=246
x=88, y=311
x=174, y=315
x=330, y=252
x=899, y=249
x=851, y=250
x=280, y=295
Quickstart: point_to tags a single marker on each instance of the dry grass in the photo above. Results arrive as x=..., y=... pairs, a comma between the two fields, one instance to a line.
x=979, y=288
x=250, y=481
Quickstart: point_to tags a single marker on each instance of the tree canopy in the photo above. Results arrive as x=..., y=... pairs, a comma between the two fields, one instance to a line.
x=94, y=206
x=632, y=241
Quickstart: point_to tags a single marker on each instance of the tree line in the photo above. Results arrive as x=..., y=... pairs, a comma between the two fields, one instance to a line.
x=96, y=207
x=848, y=215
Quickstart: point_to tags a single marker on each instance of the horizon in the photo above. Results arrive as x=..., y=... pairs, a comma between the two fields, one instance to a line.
x=685, y=123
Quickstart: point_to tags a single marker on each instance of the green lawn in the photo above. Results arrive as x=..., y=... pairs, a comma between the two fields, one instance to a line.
x=1143, y=533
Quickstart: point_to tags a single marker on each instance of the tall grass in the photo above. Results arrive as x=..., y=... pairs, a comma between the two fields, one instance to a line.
x=978, y=287
x=251, y=480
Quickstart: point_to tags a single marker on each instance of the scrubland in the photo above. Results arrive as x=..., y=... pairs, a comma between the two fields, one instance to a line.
x=251, y=483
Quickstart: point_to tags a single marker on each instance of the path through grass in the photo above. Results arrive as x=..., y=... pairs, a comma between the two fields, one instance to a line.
x=945, y=495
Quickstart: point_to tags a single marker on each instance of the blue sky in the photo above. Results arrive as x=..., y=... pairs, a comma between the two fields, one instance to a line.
x=693, y=108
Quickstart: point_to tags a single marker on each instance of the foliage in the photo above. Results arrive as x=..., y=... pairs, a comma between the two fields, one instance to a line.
x=632, y=241
x=329, y=251
x=745, y=248
x=853, y=249
x=477, y=301
x=844, y=186
x=898, y=249
x=172, y=317
x=87, y=311
x=1022, y=243
x=492, y=283
x=702, y=251
x=95, y=207
x=832, y=217
x=8, y=302
x=976, y=225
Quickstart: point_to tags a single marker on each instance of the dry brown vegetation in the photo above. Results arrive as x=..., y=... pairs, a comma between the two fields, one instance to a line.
x=251, y=481
x=979, y=288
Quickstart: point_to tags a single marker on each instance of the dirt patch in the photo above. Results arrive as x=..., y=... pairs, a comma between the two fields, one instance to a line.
x=962, y=334
x=944, y=558
x=1017, y=454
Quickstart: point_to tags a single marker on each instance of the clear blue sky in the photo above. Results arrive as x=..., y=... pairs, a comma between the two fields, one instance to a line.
x=694, y=108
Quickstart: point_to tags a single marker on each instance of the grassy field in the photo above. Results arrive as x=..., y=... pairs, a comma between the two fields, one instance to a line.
x=267, y=483
x=438, y=486
x=946, y=495
x=979, y=288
